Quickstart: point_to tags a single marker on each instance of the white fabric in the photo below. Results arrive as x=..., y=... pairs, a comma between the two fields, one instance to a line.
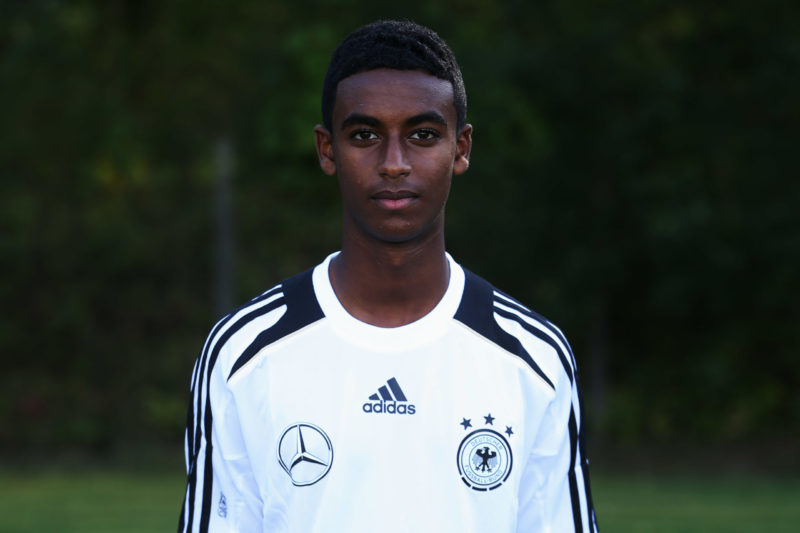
x=389, y=472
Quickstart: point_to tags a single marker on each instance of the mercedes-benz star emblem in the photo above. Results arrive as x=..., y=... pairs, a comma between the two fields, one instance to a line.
x=305, y=452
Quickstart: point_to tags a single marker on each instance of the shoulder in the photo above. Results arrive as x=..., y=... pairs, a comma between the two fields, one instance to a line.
x=516, y=328
x=238, y=336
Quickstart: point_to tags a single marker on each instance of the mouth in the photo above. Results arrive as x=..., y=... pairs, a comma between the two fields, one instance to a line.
x=394, y=199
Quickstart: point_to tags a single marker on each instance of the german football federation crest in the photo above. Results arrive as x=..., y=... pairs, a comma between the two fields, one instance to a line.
x=484, y=456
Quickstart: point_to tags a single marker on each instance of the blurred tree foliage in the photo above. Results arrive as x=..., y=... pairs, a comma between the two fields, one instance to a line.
x=633, y=178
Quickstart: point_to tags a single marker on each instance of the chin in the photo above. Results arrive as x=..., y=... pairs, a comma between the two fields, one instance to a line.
x=405, y=236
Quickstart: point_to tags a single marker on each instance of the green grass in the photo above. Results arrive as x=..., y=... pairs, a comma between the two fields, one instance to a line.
x=95, y=501
x=125, y=501
x=707, y=504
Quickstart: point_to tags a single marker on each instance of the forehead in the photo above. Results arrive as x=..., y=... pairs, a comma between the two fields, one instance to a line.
x=401, y=93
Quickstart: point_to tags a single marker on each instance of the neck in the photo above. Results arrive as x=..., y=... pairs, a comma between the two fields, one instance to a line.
x=392, y=284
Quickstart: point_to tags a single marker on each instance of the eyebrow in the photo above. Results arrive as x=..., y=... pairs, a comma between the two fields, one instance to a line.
x=361, y=119
x=428, y=116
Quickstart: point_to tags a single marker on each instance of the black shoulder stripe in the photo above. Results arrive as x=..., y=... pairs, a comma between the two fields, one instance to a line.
x=573, y=478
x=209, y=345
x=540, y=335
x=587, y=484
x=475, y=312
x=182, y=519
x=576, y=435
x=511, y=302
x=584, y=458
x=213, y=347
x=208, y=470
x=194, y=441
x=208, y=359
x=302, y=309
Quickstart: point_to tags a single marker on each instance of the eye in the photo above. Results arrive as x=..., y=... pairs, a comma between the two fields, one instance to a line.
x=425, y=135
x=363, y=135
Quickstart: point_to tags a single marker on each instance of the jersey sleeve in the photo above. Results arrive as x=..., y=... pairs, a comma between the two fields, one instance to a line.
x=554, y=493
x=221, y=492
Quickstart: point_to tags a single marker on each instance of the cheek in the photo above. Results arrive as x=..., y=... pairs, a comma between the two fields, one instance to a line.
x=443, y=175
x=441, y=162
x=352, y=190
x=352, y=171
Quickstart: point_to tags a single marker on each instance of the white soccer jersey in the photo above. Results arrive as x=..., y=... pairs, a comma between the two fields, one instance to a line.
x=305, y=419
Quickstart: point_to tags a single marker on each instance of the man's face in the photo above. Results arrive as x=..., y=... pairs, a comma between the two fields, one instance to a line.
x=394, y=147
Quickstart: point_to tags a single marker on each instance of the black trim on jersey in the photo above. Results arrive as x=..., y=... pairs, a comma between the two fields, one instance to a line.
x=587, y=484
x=206, y=364
x=193, y=441
x=573, y=478
x=585, y=462
x=475, y=312
x=541, y=335
x=574, y=438
x=577, y=439
x=190, y=412
x=302, y=309
x=478, y=303
x=511, y=302
x=211, y=344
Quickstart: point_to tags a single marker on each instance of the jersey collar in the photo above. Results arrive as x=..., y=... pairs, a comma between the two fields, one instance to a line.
x=424, y=330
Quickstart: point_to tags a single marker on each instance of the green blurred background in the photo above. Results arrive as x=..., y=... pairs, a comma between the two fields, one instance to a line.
x=634, y=178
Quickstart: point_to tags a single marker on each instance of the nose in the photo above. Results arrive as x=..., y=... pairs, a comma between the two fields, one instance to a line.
x=395, y=162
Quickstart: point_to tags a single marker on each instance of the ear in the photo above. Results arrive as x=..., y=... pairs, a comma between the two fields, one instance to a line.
x=324, y=143
x=463, y=149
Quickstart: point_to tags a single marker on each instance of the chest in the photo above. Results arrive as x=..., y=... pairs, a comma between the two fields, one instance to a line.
x=452, y=414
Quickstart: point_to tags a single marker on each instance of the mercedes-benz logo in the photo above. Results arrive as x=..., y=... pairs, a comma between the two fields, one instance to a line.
x=305, y=452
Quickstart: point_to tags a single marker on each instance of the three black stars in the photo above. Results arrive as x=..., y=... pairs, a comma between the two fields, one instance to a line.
x=488, y=420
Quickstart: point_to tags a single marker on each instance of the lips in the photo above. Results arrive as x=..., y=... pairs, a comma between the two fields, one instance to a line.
x=394, y=199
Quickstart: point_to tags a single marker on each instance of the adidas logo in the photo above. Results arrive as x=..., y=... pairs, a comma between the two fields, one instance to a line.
x=389, y=400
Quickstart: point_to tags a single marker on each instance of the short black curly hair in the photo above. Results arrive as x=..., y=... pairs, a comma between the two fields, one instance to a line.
x=394, y=44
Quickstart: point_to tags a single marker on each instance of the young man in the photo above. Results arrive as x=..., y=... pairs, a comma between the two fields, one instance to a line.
x=387, y=389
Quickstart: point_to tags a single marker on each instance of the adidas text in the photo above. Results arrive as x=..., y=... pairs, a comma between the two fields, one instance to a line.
x=389, y=408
